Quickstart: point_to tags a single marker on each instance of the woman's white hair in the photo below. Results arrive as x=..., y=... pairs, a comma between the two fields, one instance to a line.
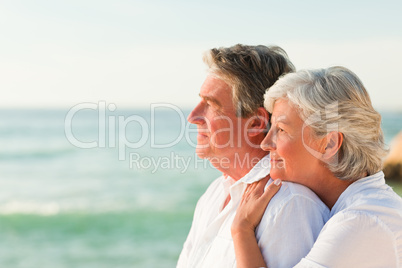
x=335, y=99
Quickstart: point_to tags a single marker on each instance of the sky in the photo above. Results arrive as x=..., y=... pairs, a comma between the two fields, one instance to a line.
x=56, y=54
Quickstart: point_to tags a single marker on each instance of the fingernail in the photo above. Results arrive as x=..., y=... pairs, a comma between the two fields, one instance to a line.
x=277, y=182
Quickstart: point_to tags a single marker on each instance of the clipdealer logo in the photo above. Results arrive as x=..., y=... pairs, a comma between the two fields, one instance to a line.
x=112, y=133
x=112, y=129
x=178, y=162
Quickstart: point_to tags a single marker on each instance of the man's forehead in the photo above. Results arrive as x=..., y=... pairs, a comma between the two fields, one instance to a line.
x=215, y=89
x=213, y=84
x=211, y=98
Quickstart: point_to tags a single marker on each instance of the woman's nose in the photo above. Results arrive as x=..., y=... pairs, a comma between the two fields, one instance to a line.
x=268, y=143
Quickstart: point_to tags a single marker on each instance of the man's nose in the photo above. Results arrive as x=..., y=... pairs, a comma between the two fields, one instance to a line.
x=197, y=115
x=269, y=143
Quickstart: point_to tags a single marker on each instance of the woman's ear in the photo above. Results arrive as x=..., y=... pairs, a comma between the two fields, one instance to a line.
x=334, y=141
x=258, y=123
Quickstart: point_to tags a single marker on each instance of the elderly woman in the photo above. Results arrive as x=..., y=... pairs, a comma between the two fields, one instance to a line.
x=326, y=135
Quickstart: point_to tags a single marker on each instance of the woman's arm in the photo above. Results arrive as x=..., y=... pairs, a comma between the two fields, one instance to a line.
x=249, y=213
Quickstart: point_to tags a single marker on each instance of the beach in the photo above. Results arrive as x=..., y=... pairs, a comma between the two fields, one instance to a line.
x=116, y=189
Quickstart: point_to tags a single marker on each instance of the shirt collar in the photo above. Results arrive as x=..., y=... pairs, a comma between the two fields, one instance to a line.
x=227, y=183
x=374, y=181
x=258, y=172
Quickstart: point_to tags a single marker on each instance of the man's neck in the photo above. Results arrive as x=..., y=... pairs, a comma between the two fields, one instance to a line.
x=241, y=164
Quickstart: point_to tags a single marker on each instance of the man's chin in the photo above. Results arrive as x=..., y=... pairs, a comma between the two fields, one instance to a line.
x=201, y=154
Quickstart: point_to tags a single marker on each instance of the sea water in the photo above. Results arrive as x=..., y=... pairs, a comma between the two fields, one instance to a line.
x=96, y=186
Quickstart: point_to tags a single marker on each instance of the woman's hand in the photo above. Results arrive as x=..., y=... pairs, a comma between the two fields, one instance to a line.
x=248, y=215
x=253, y=204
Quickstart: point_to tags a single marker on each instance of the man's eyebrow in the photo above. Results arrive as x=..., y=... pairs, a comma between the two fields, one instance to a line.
x=211, y=99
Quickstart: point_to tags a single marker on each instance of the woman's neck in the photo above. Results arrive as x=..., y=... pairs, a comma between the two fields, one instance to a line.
x=329, y=189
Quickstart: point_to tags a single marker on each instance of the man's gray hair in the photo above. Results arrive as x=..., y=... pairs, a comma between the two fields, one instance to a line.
x=342, y=103
x=249, y=71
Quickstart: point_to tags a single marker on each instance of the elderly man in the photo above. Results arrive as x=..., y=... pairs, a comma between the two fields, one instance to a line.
x=231, y=124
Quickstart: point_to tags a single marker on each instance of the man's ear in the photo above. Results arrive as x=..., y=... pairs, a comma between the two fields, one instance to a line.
x=333, y=143
x=258, y=122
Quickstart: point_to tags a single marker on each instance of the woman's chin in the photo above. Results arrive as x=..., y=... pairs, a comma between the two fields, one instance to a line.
x=276, y=175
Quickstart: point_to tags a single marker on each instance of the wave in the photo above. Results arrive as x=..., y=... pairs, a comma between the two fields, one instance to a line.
x=55, y=208
x=35, y=154
x=49, y=208
x=16, y=207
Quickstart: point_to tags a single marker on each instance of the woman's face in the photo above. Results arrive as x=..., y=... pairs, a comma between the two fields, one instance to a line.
x=292, y=145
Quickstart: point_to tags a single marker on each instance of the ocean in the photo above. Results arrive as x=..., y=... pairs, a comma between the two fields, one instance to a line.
x=95, y=186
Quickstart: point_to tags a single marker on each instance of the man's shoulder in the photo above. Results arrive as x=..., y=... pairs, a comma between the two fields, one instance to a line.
x=297, y=202
x=297, y=211
x=294, y=192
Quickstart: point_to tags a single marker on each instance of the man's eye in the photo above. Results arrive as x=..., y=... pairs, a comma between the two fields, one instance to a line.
x=213, y=105
x=209, y=103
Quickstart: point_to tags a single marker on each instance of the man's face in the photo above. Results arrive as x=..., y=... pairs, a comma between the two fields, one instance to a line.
x=219, y=129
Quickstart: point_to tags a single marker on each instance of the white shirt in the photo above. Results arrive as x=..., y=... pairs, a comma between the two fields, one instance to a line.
x=286, y=233
x=365, y=229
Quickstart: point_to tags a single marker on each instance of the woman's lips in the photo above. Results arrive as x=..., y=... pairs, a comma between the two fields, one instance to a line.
x=275, y=161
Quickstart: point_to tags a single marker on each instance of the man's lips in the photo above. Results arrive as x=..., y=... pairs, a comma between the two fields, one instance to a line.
x=202, y=136
x=202, y=133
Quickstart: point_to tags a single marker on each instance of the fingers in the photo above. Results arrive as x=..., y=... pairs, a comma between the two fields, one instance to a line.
x=260, y=185
x=256, y=189
x=271, y=190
